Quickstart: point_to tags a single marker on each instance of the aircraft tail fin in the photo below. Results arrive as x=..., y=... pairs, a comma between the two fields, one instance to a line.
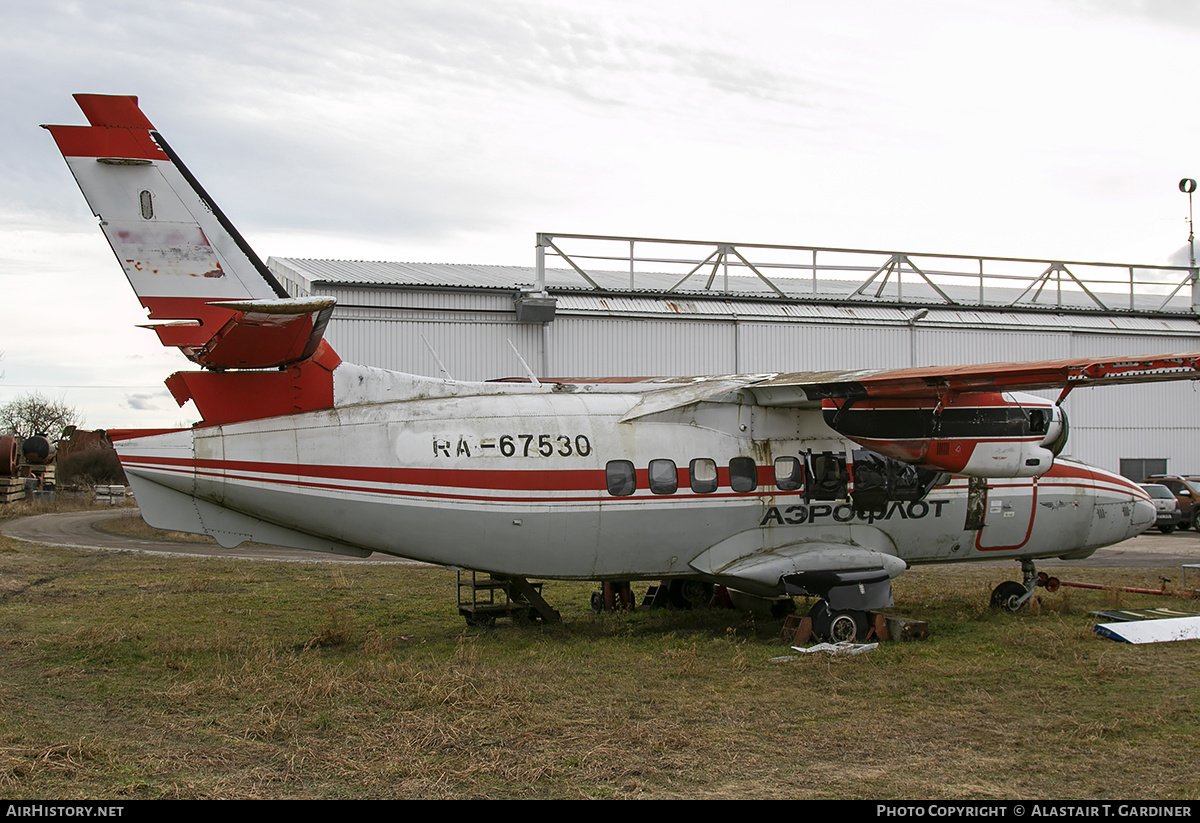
x=205, y=288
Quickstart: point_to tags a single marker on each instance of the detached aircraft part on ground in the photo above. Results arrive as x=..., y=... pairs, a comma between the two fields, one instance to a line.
x=822, y=483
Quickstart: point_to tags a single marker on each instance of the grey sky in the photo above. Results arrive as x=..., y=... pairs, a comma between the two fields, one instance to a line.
x=453, y=131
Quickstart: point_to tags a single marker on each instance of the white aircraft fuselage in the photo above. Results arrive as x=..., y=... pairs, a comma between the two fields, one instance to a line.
x=512, y=478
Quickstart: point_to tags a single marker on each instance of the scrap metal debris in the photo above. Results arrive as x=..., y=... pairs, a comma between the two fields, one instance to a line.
x=843, y=648
x=1151, y=631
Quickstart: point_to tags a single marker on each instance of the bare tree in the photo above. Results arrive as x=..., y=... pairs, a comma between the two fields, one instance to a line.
x=33, y=413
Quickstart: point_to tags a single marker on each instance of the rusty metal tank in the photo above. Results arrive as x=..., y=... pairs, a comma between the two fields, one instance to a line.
x=8, y=456
x=39, y=450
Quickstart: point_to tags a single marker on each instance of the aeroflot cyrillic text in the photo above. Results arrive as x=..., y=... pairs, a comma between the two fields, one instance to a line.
x=802, y=513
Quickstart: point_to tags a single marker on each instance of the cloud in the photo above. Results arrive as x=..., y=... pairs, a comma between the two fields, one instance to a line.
x=143, y=402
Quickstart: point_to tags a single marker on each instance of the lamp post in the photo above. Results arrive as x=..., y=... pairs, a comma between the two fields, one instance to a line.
x=1187, y=185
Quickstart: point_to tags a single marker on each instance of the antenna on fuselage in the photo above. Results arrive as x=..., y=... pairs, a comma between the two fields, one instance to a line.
x=441, y=365
x=532, y=377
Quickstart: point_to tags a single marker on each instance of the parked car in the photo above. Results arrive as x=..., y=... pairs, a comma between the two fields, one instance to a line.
x=1186, y=491
x=1169, y=513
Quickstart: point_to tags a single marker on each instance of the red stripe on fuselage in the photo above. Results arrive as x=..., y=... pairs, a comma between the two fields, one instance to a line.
x=504, y=480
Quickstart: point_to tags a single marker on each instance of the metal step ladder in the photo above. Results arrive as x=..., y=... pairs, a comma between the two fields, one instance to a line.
x=483, y=597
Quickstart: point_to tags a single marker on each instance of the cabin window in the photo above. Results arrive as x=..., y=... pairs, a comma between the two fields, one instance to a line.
x=664, y=477
x=703, y=473
x=743, y=474
x=147, y=202
x=789, y=474
x=1037, y=421
x=621, y=478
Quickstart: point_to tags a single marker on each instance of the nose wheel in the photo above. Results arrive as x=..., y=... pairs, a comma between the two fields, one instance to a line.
x=1010, y=595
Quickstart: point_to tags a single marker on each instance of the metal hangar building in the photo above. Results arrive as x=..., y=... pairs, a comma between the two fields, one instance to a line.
x=599, y=307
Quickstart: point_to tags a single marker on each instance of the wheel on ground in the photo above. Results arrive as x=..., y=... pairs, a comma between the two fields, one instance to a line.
x=846, y=626
x=1166, y=529
x=1008, y=595
x=690, y=594
x=1186, y=522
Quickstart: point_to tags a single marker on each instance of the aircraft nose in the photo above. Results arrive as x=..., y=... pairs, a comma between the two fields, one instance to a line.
x=1144, y=516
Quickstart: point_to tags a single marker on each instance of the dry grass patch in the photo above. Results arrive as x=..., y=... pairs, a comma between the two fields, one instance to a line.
x=134, y=676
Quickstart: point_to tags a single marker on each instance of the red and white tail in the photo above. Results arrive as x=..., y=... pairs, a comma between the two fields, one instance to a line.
x=184, y=259
x=206, y=290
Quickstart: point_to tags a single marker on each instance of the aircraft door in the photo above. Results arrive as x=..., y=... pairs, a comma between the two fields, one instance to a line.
x=1008, y=515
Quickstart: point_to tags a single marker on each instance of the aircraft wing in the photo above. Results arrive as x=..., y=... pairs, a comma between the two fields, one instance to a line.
x=937, y=382
x=971, y=420
x=929, y=383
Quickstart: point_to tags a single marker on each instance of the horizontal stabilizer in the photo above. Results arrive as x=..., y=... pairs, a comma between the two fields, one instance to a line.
x=265, y=334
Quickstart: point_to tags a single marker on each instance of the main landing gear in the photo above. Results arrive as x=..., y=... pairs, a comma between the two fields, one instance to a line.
x=1010, y=595
x=838, y=625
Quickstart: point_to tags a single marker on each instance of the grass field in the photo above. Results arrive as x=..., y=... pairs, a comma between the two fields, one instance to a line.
x=130, y=676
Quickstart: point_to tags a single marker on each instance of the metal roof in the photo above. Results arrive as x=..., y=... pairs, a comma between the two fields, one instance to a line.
x=746, y=296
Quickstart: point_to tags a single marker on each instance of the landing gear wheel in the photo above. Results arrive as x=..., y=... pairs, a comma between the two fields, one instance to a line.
x=847, y=626
x=690, y=594
x=1007, y=596
x=844, y=626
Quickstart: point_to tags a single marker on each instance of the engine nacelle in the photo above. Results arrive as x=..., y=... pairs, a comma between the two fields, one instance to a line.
x=985, y=434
